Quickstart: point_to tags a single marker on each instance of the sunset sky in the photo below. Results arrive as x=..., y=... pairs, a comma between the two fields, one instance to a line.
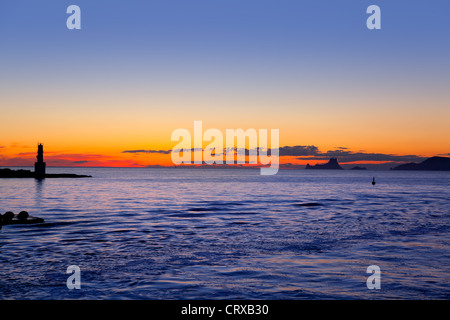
x=112, y=93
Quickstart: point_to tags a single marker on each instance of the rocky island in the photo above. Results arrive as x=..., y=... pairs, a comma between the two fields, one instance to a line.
x=331, y=165
x=22, y=218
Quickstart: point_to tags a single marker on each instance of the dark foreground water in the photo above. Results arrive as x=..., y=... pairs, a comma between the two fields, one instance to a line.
x=228, y=234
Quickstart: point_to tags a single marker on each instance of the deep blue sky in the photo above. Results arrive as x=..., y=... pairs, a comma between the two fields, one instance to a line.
x=231, y=33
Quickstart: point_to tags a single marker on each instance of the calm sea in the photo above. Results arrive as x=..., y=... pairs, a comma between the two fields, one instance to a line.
x=228, y=234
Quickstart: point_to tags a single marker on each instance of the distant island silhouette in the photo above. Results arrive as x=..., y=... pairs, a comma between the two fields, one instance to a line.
x=431, y=164
x=358, y=168
x=332, y=164
x=39, y=170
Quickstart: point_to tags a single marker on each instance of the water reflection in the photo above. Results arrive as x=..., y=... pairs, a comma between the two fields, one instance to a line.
x=39, y=184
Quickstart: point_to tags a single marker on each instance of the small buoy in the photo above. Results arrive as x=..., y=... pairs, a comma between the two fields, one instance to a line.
x=373, y=181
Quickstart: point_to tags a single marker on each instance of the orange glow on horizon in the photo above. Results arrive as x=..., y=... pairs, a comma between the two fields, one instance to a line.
x=21, y=155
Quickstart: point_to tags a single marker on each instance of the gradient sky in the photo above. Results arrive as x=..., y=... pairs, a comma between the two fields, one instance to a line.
x=137, y=70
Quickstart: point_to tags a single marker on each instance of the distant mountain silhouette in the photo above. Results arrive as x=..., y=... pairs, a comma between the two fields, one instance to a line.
x=432, y=164
x=332, y=165
x=358, y=168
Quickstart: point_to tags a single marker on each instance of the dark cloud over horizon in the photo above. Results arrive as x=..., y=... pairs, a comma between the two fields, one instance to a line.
x=344, y=155
x=312, y=152
x=299, y=151
x=350, y=156
x=148, y=151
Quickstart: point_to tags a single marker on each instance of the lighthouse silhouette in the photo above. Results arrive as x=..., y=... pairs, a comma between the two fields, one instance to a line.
x=39, y=166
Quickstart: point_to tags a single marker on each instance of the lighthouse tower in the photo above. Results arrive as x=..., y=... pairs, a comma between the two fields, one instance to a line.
x=39, y=166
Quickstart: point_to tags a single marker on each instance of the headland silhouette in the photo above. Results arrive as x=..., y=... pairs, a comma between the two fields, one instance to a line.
x=430, y=164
